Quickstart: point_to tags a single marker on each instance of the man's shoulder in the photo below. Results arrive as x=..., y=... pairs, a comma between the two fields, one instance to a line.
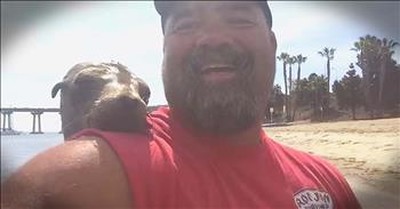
x=295, y=157
x=66, y=174
x=71, y=156
x=307, y=167
x=306, y=172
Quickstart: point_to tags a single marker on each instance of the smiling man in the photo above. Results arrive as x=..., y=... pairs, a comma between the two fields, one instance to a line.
x=207, y=149
x=219, y=64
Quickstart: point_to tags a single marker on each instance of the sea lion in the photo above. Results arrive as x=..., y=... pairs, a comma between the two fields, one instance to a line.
x=105, y=96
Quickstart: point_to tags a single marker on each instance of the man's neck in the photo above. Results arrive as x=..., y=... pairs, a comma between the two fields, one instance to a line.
x=247, y=136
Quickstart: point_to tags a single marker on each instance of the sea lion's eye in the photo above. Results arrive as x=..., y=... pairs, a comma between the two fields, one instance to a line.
x=88, y=80
x=87, y=88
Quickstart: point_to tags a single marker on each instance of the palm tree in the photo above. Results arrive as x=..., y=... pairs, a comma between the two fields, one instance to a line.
x=375, y=59
x=367, y=60
x=386, y=54
x=318, y=88
x=284, y=58
x=291, y=61
x=298, y=59
x=329, y=54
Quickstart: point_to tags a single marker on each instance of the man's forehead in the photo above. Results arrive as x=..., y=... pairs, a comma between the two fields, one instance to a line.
x=213, y=4
x=166, y=8
x=171, y=7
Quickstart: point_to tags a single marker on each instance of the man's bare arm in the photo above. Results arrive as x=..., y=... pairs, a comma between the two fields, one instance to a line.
x=84, y=173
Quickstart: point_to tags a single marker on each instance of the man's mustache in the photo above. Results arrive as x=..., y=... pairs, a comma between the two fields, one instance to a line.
x=220, y=55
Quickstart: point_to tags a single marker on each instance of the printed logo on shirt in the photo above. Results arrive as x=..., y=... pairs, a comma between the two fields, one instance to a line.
x=313, y=199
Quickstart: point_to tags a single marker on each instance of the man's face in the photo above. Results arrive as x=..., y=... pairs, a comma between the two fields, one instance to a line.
x=219, y=65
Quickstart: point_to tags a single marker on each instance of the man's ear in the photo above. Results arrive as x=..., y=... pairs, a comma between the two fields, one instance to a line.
x=273, y=40
x=163, y=48
x=165, y=32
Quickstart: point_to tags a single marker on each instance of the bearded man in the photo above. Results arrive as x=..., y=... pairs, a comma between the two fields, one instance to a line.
x=207, y=149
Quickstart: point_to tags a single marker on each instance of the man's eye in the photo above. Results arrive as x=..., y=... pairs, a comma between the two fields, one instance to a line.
x=240, y=22
x=185, y=26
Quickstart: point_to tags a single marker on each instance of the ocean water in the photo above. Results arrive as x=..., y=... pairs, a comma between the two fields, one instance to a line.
x=18, y=149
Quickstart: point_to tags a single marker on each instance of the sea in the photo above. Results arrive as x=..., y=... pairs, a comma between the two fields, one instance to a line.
x=16, y=150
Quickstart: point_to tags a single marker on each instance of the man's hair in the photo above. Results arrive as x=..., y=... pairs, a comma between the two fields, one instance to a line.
x=165, y=8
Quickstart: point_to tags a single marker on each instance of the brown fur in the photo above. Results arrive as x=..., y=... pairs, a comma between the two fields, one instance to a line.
x=104, y=96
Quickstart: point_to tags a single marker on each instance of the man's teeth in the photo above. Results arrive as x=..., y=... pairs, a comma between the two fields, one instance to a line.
x=217, y=68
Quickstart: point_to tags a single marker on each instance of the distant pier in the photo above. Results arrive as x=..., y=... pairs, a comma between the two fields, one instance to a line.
x=7, y=129
x=36, y=113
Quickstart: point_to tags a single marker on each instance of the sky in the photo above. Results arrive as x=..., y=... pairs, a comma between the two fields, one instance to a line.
x=41, y=41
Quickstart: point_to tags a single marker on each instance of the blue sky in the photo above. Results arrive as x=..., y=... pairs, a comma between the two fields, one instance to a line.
x=38, y=49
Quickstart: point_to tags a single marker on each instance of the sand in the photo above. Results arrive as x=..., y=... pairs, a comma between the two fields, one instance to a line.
x=367, y=152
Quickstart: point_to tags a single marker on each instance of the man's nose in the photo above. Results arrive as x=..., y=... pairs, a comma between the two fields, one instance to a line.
x=213, y=36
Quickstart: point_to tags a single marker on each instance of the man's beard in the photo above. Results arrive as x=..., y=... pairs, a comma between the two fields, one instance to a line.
x=220, y=108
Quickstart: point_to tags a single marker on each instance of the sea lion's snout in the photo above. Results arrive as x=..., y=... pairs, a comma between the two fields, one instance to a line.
x=128, y=101
x=124, y=113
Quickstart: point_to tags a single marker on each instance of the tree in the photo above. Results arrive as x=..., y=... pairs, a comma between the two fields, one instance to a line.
x=275, y=101
x=318, y=86
x=311, y=91
x=379, y=75
x=387, y=64
x=303, y=92
x=368, y=61
x=329, y=54
x=291, y=61
x=284, y=58
x=348, y=91
x=299, y=59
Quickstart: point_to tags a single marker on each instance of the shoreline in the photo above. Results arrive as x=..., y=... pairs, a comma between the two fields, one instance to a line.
x=10, y=133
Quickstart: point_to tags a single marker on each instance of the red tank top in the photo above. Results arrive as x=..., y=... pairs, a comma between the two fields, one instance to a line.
x=169, y=168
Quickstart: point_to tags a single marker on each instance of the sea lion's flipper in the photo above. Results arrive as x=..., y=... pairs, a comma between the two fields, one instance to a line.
x=55, y=89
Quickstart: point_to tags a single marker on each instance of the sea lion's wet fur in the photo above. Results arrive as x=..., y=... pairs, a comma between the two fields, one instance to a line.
x=105, y=96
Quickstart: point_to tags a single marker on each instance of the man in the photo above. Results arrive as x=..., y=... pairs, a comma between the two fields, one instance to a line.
x=207, y=150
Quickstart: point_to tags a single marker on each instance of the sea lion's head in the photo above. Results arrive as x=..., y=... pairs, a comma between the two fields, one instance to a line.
x=105, y=96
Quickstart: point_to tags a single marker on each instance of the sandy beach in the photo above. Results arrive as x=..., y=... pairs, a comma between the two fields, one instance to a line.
x=366, y=151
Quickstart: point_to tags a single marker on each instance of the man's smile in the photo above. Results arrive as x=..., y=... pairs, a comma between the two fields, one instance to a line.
x=218, y=72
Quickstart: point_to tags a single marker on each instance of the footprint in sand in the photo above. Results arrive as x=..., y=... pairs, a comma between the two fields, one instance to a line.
x=389, y=149
x=324, y=140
